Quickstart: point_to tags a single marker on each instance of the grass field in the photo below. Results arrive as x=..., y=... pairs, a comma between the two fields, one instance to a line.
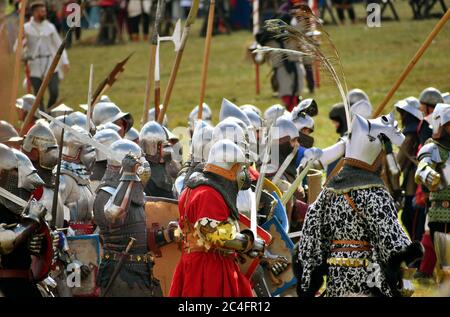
x=372, y=59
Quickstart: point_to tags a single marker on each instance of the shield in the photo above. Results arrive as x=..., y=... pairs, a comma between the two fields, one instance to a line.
x=281, y=245
x=86, y=249
x=248, y=265
x=279, y=212
x=314, y=179
x=159, y=212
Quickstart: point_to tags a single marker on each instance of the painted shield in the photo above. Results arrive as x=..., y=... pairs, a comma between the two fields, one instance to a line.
x=248, y=265
x=159, y=212
x=279, y=212
x=87, y=250
x=283, y=284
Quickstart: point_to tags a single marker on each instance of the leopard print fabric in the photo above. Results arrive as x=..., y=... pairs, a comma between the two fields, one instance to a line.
x=332, y=218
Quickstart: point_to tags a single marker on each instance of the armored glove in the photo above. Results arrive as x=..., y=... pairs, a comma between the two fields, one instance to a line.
x=36, y=211
x=311, y=154
x=144, y=171
x=432, y=179
x=130, y=165
x=35, y=243
x=276, y=264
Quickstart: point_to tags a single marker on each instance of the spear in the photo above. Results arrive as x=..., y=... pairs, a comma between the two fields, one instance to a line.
x=173, y=75
x=109, y=81
x=208, y=38
x=89, y=101
x=413, y=62
x=45, y=82
x=152, y=63
x=15, y=86
x=255, y=31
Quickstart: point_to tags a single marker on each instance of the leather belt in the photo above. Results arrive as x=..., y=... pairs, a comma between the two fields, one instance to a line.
x=362, y=245
x=20, y=274
x=348, y=262
x=442, y=203
x=144, y=258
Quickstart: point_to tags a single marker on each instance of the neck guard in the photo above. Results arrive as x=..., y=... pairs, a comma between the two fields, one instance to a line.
x=227, y=189
x=352, y=178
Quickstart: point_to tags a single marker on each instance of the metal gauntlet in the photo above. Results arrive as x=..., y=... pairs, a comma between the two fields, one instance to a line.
x=216, y=234
x=12, y=236
x=426, y=175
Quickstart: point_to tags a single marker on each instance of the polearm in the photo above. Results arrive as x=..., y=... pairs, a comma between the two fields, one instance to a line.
x=57, y=180
x=109, y=81
x=208, y=38
x=89, y=99
x=255, y=31
x=15, y=85
x=413, y=62
x=45, y=82
x=173, y=75
x=152, y=63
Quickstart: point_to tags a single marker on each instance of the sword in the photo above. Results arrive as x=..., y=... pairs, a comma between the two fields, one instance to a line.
x=11, y=197
x=118, y=266
x=84, y=138
x=283, y=166
x=291, y=190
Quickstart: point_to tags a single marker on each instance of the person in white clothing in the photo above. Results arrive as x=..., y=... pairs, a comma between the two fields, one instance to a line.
x=40, y=46
x=139, y=12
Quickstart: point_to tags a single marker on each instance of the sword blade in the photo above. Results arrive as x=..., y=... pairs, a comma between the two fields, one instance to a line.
x=11, y=197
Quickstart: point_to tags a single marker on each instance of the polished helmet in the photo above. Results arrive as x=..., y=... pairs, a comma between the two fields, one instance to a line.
x=410, y=105
x=151, y=116
x=440, y=117
x=132, y=135
x=151, y=137
x=122, y=148
x=105, y=137
x=105, y=112
x=8, y=133
x=431, y=96
x=61, y=110
x=273, y=113
x=356, y=95
x=41, y=138
x=27, y=173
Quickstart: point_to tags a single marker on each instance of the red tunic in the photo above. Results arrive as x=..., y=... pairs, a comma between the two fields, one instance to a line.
x=201, y=274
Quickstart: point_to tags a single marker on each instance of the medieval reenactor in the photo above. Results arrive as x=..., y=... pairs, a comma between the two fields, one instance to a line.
x=9, y=135
x=154, y=143
x=41, y=148
x=132, y=135
x=23, y=106
x=78, y=160
x=107, y=112
x=433, y=172
x=352, y=228
x=106, y=137
x=413, y=217
x=19, y=229
x=428, y=99
x=212, y=238
x=193, y=117
x=119, y=213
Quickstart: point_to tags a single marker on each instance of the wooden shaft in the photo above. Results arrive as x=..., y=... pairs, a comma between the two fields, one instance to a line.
x=15, y=85
x=150, y=81
x=413, y=62
x=44, y=84
x=258, y=86
x=170, y=84
x=206, y=52
x=157, y=98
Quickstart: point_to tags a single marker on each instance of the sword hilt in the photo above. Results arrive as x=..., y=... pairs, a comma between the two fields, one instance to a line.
x=130, y=245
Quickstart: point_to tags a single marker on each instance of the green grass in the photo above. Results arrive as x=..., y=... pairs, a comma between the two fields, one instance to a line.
x=372, y=58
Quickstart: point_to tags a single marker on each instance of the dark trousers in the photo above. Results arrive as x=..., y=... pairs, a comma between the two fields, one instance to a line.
x=341, y=6
x=53, y=87
x=134, y=23
x=413, y=218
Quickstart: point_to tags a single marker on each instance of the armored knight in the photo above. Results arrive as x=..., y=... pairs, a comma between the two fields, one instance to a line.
x=193, y=116
x=212, y=238
x=272, y=114
x=433, y=171
x=9, y=135
x=154, y=143
x=119, y=213
x=132, y=135
x=23, y=106
x=351, y=232
x=20, y=231
x=105, y=112
x=151, y=116
x=428, y=98
x=413, y=217
x=105, y=137
x=41, y=148
x=76, y=194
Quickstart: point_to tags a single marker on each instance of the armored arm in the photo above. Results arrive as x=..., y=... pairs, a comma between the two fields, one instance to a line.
x=223, y=234
x=428, y=158
x=332, y=153
x=15, y=235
